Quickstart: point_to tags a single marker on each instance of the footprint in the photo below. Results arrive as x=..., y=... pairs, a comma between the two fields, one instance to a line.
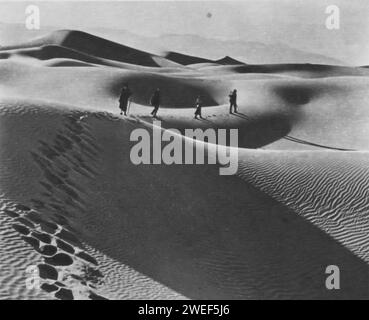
x=85, y=256
x=64, y=246
x=64, y=294
x=48, y=272
x=49, y=287
x=94, y=296
x=61, y=220
x=11, y=214
x=32, y=241
x=34, y=217
x=79, y=278
x=59, y=284
x=92, y=275
x=41, y=236
x=22, y=207
x=21, y=229
x=48, y=250
x=68, y=237
x=48, y=227
x=25, y=222
x=60, y=259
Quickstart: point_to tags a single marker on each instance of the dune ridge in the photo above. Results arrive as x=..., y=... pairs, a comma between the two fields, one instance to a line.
x=328, y=189
x=98, y=227
x=91, y=45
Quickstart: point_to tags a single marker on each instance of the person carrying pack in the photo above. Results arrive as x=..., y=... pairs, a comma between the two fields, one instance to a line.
x=233, y=101
x=155, y=102
x=198, y=105
x=123, y=99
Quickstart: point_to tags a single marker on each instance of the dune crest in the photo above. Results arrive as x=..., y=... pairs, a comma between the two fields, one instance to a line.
x=97, y=226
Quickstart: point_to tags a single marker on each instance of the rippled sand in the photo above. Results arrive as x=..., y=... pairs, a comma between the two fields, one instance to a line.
x=95, y=226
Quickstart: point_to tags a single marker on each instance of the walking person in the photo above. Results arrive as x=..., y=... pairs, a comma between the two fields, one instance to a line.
x=233, y=101
x=123, y=99
x=198, y=105
x=155, y=102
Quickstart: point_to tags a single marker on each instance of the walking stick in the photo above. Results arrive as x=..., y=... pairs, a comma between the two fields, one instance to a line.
x=129, y=105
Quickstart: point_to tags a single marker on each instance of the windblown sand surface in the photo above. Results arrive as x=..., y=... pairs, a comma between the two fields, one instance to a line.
x=96, y=226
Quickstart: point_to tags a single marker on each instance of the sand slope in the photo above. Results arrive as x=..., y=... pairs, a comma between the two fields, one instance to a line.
x=96, y=226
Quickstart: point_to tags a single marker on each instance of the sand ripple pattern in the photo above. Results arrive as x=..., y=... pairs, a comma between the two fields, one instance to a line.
x=330, y=189
x=45, y=229
x=15, y=257
x=65, y=269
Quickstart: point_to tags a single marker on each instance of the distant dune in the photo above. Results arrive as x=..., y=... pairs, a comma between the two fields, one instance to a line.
x=96, y=226
x=185, y=59
x=228, y=61
x=248, y=51
x=91, y=45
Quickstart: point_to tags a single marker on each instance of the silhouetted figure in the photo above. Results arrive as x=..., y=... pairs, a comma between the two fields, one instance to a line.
x=198, y=104
x=123, y=100
x=155, y=102
x=233, y=101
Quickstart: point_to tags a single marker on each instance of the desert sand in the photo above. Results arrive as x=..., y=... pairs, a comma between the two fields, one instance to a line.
x=97, y=226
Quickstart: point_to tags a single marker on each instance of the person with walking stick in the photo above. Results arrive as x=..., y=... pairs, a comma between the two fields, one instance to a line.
x=155, y=102
x=198, y=105
x=233, y=101
x=123, y=99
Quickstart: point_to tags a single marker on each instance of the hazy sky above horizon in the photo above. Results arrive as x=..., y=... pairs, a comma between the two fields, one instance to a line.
x=300, y=24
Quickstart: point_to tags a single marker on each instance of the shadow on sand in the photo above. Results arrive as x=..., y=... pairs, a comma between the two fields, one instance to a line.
x=241, y=115
x=214, y=237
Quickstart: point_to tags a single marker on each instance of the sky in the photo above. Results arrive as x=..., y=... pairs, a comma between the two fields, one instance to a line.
x=298, y=23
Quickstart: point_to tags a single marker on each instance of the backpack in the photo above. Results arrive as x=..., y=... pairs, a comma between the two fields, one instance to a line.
x=154, y=99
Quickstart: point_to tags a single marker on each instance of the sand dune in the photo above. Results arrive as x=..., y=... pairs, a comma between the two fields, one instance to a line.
x=96, y=226
x=329, y=112
x=48, y=52
x=66, y=163
x=210, y=252
x=247, y=51
x=331, y=194
x=304, y=70
x=228, y=61
x=66, y=62
x=92, y=46
x=89, y=44
x=185, y=59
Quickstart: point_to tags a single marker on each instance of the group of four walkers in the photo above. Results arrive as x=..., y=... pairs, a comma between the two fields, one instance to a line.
x=126, y=93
